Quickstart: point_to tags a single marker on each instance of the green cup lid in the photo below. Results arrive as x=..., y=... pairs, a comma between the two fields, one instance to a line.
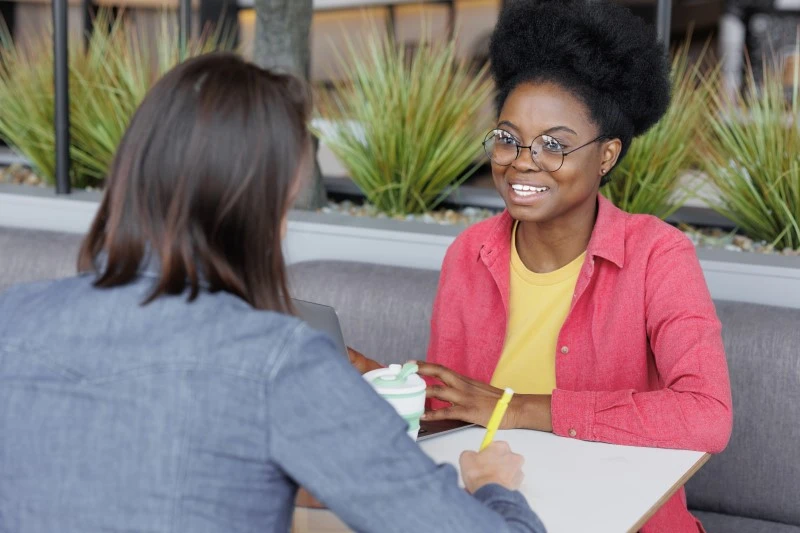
x=397, y=379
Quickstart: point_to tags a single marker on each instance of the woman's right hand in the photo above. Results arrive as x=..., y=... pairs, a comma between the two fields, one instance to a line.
x=362, y=363
x=496, y=464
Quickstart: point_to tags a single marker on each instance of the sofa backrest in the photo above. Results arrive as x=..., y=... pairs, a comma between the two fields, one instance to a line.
x=29, y=255
x=758, y=475
x=385, y=311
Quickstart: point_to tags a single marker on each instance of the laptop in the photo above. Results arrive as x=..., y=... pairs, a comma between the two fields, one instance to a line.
x=324, y=318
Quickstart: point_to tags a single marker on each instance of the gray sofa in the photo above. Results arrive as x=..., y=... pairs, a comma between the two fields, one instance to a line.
x=752, y=487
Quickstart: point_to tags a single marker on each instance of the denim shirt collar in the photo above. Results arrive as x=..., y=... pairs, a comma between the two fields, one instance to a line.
x=149, y=267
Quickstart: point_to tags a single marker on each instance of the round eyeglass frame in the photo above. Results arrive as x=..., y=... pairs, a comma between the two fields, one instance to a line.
x=530, y=148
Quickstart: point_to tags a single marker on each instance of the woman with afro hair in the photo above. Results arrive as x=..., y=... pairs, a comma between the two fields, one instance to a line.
x=600, y=320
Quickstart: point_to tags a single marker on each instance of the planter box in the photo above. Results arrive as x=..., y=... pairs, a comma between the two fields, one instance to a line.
x=738, y=276
x=23, y=206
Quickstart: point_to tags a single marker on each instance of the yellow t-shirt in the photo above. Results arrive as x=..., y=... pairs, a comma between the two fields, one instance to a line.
x=538, y=306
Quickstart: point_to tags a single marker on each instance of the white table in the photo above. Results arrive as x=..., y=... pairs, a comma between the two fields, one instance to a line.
x=572, y=485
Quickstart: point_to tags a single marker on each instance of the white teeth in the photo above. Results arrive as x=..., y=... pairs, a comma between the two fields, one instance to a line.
x=519, y=188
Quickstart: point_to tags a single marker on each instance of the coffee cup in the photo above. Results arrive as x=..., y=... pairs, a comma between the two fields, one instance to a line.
x=404, y=389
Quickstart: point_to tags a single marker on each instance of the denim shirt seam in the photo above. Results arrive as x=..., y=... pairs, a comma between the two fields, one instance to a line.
x=42, y=357
x=31, y=350
x=161, y=368
x=283, y=352
x=180, y=477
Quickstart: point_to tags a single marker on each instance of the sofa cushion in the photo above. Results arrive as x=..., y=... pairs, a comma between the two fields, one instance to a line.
x=385, y=311
x=758, y=475
x=723, y=523
x=28, y=255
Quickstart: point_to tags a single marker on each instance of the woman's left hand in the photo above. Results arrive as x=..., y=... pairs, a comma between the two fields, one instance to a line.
x=472, y=401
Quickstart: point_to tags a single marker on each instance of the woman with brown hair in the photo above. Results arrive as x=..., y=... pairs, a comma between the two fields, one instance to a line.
x=168, y=387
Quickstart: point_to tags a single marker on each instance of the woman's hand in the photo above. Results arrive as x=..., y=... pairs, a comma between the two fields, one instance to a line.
x=362, y=363
x=305, y=499
x=473, y=401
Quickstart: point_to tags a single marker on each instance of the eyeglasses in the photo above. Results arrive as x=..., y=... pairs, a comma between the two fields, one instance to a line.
x=546, y=151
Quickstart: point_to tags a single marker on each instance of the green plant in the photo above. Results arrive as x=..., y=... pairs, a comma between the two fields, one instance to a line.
x=406, y=124
x=754, y=158
x=108, y=79
x=27, y=99
x=648, y=179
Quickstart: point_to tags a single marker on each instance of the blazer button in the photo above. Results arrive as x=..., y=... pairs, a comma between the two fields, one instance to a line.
x=572, y=433
x=565, y=350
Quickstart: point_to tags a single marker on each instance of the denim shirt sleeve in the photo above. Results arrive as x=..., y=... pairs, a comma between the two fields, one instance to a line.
x=332, y=434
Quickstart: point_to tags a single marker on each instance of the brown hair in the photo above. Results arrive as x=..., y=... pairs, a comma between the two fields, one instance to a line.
x=202, y=180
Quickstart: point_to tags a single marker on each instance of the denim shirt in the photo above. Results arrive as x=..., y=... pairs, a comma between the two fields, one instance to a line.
x=203, y=417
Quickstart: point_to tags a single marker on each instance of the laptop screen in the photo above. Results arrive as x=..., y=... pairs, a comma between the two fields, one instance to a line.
x=322, y=318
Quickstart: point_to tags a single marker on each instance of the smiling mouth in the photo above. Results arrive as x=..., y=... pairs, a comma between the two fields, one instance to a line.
x=528, y=190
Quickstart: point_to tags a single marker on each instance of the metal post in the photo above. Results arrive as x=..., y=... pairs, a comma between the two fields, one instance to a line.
x=391, y=26
x=61, y=68
x=7, y=14
x=451, y=19
x=185, y=21
x=88, y=8
x=664, y=22
x=222, y=16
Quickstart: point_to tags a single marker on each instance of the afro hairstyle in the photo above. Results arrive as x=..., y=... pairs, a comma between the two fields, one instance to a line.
x=599, y=51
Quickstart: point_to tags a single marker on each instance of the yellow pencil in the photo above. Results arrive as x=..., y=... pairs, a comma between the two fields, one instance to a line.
x=497, y=417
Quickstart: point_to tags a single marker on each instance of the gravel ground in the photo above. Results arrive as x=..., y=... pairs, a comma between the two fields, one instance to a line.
x=467, y=215
x=702, y=237
x=19, y=175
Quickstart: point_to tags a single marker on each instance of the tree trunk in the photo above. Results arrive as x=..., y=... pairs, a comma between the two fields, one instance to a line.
x=282, y=44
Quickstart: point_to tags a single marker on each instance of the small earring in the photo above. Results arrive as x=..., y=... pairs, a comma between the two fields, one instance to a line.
x=603, y=171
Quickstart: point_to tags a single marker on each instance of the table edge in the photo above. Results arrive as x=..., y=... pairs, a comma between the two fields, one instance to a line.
x=670, y=492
